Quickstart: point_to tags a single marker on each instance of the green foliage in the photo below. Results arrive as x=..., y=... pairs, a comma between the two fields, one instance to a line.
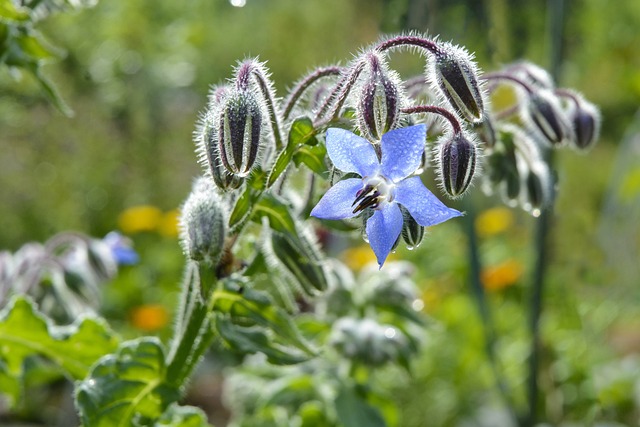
x=25, y=333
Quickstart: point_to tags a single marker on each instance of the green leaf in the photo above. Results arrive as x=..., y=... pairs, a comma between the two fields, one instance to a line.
x=255, y=307
x=276, y=210
x=253, y=339
x=126, y=388
x=313, y=158
x=354, y=411
x=182, y=416
x=33, y=46
x=302, y=132
x=9, y=12
x=24, y=332
x=241, y=209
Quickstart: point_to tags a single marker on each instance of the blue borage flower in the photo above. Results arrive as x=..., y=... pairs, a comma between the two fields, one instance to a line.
x=385, y=183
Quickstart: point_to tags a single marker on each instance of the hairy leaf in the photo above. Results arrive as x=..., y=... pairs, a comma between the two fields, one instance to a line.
x=24, y=332
x=126, y=388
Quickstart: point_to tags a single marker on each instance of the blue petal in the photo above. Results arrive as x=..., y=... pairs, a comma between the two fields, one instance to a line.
x=351, y=153
x=423, y=206
x=402, y=151
x=337, y=203
x=383, y=229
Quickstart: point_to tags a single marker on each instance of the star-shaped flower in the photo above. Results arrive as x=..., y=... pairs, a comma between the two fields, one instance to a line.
x=385, y=183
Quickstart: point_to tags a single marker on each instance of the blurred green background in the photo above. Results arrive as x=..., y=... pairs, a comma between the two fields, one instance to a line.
x=136, y=74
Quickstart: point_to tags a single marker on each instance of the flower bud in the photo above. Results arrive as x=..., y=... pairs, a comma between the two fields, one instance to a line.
x=544, y=115
x=585, y=120
x=457, y=164
x=368, y=341
x=221, y=176
x=378, y=108
x=203, y=223
x=239, y=132
x=412, y=232
x=533, y=74
x=537, y=186
x=455, y=73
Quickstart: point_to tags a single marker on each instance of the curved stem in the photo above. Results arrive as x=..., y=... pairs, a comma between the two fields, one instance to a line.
x=455, y=124
x=401, y=41
x=305, y=83
x=269, y=97
x=338, y=95
x=509, y=77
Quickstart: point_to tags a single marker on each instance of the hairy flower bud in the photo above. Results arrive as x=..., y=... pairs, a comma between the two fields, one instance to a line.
x=457, y=164
x=544, y=115
x=378, y=108
x=412, y=232
x=585, y=120
x=239, y=132
x=532, y=74
x=221, y=176
x=203, y=223
x=455, y=73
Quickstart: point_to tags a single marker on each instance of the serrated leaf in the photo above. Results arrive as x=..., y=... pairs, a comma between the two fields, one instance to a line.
x=126, y=388
x=24, y=332
x=313, y=158
x=183, y=416
x=277, y=212
x=10, y=12
x=255, y=307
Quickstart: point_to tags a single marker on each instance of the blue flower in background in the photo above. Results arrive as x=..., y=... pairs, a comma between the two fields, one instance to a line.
x=120, y=248
x=384, y=185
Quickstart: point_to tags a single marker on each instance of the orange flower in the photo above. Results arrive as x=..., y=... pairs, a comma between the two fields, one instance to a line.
x=501, y=276
x=150, y=317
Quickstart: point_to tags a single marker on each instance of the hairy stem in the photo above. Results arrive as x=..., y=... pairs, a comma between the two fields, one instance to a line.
x=305, y=84
x=403, y=41
x=338, y=95
x=455, y=124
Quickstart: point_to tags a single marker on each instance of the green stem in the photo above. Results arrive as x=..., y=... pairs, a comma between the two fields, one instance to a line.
x=475, y=268
x=193, y=332
x=555, y=14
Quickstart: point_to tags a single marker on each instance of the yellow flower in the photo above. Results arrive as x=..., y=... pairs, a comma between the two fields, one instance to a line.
x=501, y=276
x=359, y=256
x=150, y=317
x=494, y=221
x=139, y=218
x=168, y=226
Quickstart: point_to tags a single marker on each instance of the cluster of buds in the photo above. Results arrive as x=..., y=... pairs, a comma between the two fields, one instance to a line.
x=72, y=265
x=231, y=136
x=545, y=117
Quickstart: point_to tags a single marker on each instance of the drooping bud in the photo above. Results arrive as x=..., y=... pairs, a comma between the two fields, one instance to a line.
x=585, y=120
x=532, y=74
x=545, y=116
x=537, y=185
x=239, y=132
x=203, y=223
x=412, y=232
x=454, y=72
x=378, y=108
x=457, y=164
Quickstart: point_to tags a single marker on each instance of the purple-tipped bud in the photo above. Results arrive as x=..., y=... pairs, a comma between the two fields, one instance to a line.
x=203, y=223
x=379, y=105
x=239, y=132
x=455, y=73
x=221, y=176
x=545, y=116
x=457, y=164
x=585, y=120
x=412, y=232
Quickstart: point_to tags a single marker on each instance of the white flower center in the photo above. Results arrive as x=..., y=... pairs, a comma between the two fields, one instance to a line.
x=376, y=193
